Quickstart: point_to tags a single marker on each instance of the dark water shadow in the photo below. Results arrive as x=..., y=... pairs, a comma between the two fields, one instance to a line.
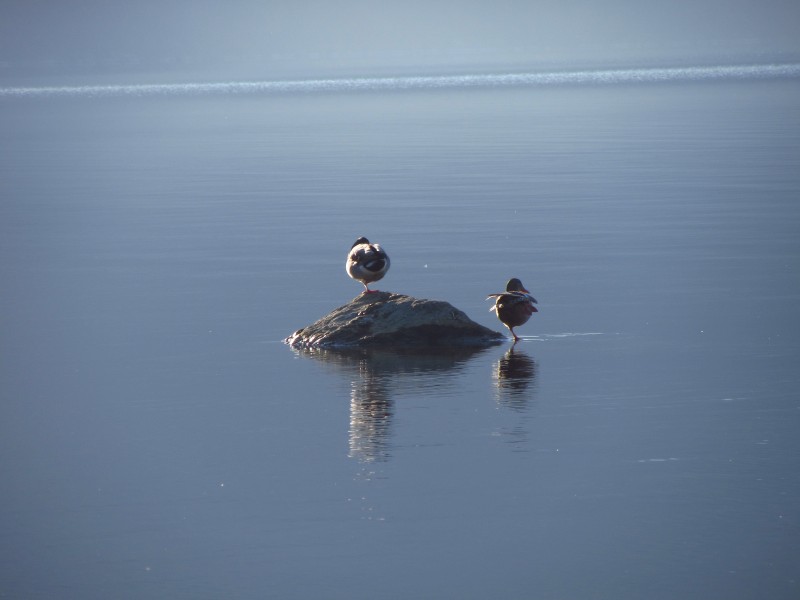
x=515, y=378
x=375, y=375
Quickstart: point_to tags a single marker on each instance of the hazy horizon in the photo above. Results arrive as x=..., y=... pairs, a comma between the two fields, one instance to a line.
x=92, y=39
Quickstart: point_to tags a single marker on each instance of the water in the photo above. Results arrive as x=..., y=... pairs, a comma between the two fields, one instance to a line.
x=641, y=441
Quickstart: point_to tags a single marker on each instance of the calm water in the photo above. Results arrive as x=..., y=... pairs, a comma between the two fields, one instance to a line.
x=157, y=440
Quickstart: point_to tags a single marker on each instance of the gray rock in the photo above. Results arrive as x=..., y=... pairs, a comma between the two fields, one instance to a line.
x=386, y=319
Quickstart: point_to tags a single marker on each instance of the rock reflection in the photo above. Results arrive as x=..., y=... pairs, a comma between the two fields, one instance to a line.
x=515, y=374
x=375, y=375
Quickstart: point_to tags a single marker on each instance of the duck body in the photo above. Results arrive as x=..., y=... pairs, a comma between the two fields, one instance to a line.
x=367, y=262
x=514, y=306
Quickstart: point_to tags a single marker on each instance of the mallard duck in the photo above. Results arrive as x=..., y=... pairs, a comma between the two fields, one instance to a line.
x=514, y=306
x=367, y=263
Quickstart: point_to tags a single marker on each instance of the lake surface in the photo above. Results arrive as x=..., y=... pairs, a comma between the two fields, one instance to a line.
x=158, y=440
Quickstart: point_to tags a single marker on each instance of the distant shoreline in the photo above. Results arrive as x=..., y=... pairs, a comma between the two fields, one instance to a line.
x=423, y=82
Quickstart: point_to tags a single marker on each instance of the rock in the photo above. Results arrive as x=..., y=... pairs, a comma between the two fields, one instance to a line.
x=385, y=319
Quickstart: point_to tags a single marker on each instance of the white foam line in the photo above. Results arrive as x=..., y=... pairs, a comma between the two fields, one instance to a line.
x=607, y=77
x=563, y=335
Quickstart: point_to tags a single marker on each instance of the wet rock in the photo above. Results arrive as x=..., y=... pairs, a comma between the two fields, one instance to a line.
x=386, y=319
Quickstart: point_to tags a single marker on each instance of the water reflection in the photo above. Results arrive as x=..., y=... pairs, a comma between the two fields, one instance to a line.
x=515, y=374
x=376, y=375
x=371, y=412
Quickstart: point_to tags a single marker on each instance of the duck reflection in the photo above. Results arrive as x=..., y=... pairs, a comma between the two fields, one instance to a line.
x=515, y=374
x=375, y=375
x=371, y=412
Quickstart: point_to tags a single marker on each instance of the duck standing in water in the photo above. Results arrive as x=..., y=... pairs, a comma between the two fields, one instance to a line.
x=514, y=306
x=367, y=263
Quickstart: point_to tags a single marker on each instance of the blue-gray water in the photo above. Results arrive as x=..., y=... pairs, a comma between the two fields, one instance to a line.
x=157, y=440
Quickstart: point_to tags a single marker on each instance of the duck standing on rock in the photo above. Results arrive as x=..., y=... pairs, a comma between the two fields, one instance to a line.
x=367, y=263
x=514, y=306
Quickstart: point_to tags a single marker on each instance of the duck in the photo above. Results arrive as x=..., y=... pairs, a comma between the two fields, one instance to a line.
x=367, y=263
x=514, y=306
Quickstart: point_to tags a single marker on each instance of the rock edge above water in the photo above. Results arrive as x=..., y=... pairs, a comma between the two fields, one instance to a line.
x=386, y=319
